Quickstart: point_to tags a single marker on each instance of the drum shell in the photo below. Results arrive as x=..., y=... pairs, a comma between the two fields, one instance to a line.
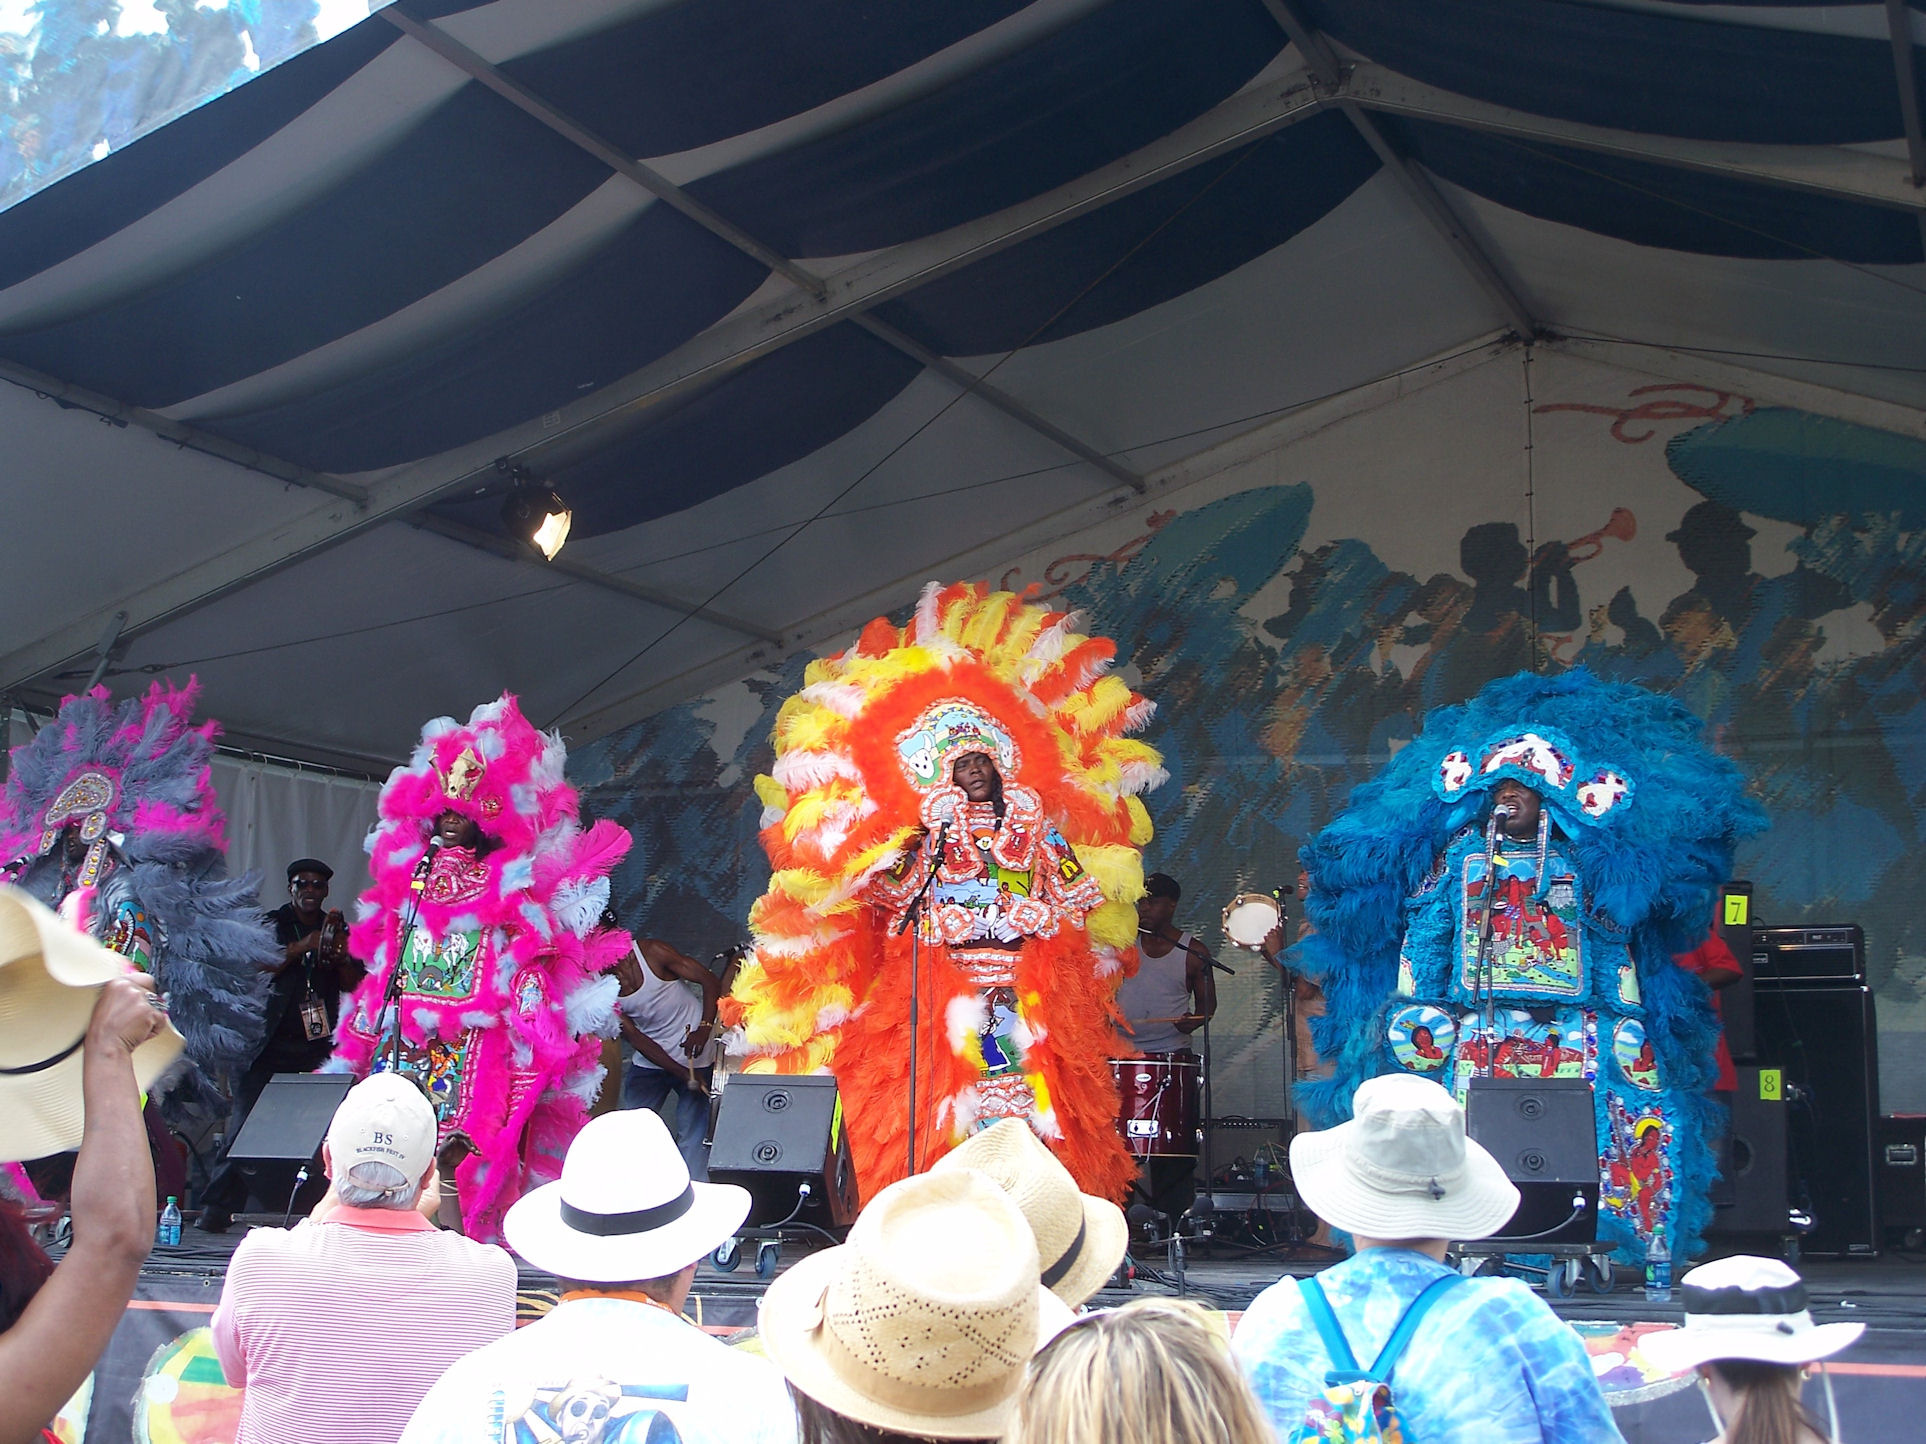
x=1159, y=1097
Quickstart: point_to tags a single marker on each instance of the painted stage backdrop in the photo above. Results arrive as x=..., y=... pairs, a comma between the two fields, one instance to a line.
x=1297, y=612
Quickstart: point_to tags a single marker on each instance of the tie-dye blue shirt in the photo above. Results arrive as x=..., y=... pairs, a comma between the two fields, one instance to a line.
x=1490, y=1362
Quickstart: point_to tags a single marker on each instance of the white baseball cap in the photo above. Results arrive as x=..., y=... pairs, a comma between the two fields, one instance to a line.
x=384, y=1119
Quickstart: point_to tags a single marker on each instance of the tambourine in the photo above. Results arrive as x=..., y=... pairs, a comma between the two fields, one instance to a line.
x=1250, y=918
x=333, y=942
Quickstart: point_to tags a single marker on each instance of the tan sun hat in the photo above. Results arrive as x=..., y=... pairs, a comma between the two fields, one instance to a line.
x=1402, y=1167
x=925, y=1321
x=50, y=978
x=1080, y=1238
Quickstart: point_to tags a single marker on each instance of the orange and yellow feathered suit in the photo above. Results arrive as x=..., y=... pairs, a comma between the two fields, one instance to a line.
x=1028, y=920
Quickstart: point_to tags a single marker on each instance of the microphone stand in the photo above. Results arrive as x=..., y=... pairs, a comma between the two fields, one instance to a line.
x=911, y=914
x=1481, y=973
x=1281, y=895
x=391, y=996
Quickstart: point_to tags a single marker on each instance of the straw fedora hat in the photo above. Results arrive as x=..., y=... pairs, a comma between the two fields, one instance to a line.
x=924, y=1322
x=1080, y=1239
x=1402, y=1167
x=1745, y=1308
x=50, y=978
x=624, y=1208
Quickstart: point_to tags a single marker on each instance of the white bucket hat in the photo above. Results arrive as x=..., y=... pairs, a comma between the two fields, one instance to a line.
x=1745, y=1308
x=50, y=979
x=925, y=1321
x=1402, y=1167
x=1080, y=1238
x=624, y=1208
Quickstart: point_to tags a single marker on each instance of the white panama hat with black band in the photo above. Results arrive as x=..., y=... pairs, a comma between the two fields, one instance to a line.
x=624, y=1208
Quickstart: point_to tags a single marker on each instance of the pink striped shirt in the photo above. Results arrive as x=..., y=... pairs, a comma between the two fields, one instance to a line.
x=338, y=1328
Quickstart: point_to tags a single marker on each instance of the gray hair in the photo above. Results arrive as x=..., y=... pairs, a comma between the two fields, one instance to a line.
x=377, y=1185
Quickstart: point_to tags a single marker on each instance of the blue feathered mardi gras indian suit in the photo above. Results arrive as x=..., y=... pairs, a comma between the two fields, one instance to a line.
x=1638, y=822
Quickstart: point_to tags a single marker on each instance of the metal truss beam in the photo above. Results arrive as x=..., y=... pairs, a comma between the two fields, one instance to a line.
x=120, y=413
x=1906, y=74
x=519, y=551
x=1819, y=169
x=1475, y=257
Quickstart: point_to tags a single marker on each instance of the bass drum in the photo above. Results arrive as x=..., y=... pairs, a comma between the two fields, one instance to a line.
x=1159, y=1096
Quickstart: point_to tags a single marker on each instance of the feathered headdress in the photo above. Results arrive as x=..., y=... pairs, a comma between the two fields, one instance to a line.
x=137, y=769
x=546, y=885
x=858, y=750
x=134, y=779
x=1651, y=814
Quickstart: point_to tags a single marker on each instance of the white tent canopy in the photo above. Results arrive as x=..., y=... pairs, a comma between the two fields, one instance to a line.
x=799, y=305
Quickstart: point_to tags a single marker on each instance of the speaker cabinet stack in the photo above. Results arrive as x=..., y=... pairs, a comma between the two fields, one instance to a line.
x=1813, y=1014
x=1544, y=1134
x=1754, y=1197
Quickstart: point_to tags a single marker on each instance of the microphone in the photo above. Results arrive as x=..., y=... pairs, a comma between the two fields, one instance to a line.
x=1503, y=811
x=435, y=845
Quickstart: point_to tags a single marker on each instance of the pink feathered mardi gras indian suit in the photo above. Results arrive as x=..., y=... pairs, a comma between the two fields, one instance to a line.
x=502, y=993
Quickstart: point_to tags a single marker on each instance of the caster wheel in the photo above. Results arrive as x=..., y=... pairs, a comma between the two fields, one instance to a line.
x=766, y=1256
x=727, y=1255
x=1600, y=1276
x=1561, y=1279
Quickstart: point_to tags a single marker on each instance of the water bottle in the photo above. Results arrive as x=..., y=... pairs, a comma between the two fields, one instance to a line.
x=1658, y=1268
x=169, y=1232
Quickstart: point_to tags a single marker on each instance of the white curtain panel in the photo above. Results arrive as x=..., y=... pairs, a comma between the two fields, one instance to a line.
x=276, y=814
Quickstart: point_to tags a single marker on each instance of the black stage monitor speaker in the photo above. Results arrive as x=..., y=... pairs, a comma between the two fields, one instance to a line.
x=1819, y=1030
x=1544, y=1134
x=776, y=1131
x=1752, y=1194
x=286, y=1129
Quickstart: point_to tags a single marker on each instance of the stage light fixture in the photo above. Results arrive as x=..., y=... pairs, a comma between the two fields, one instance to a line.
x=539, y=516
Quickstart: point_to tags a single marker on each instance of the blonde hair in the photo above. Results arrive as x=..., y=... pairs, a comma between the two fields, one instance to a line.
x=1156, y=1371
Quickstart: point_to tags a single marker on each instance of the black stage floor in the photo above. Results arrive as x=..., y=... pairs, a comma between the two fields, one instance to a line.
x=1881, y=1381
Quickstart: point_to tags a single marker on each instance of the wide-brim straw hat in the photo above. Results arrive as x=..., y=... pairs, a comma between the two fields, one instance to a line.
x=1402, y=1167
x=925, y=1321
x=50, y=979
x=624, y=1208
x=1080, y=1238
x=1745, y=1307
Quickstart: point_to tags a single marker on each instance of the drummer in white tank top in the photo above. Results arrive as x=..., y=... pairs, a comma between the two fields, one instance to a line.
x=1173, y=978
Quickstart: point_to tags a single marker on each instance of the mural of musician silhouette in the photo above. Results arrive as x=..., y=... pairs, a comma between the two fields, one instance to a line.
x=1291, y=663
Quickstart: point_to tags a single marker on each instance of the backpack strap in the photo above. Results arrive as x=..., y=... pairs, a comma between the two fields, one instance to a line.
x=1336, y=1346
x=1414, y=1313
x=1346, y=1370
